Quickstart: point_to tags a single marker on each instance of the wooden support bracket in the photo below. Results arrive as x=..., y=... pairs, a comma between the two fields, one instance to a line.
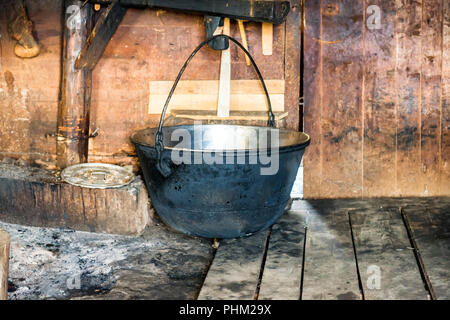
x=100, y=36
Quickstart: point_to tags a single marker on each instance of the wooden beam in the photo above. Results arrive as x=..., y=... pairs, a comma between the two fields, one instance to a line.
x=4, y=262
x=75, y=91
x=292, y=64
x=234, y=115
x=100, y=36
x=195, y=95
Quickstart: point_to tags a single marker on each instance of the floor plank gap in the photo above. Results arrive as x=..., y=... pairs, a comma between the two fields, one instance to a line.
x=303, y=263
x=361, y=288
x=263, y=264
x=420, y=264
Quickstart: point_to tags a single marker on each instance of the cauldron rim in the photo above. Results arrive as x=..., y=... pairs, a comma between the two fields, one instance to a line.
x=146, y=137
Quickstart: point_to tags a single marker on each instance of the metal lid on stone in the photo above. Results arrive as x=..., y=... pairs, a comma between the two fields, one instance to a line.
x=97, y=175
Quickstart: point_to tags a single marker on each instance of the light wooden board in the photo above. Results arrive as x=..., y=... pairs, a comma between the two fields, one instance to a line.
x=234, y=115
x=234, y=272
x=282, y=272
x=267, y=38
x=4, y=262
x=330, y=267
x=245, y=95
x=380, y=102
x=382, y=243
x=431, y=231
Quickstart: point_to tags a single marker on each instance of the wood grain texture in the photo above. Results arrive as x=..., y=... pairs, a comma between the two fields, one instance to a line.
x=245, y=95
x=234, y=272
x=342, y=53
x=4, y=262
x=379, y=98
x=330, y=266
x=152, y=45
x=431, y=231
x=408, y=74
x=75, y=94
x=291, y=63
x=382, y=243
x=404, y=80
x=283, y=267
x=430, y=141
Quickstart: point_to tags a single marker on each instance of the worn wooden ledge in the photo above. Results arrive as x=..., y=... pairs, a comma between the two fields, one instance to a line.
x=35, y=197
x=4, y=262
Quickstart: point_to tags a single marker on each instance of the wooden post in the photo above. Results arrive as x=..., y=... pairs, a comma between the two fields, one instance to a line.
x=4, y=262
x=75, y=92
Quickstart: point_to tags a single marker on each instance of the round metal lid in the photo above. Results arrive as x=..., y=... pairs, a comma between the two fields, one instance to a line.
x=97, y=175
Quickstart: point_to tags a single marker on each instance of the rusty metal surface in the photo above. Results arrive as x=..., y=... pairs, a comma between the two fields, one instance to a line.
x=97, y=175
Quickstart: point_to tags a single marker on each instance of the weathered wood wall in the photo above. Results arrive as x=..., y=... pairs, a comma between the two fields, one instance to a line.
x=29, y=87
x=377, y=100
x=148, y=45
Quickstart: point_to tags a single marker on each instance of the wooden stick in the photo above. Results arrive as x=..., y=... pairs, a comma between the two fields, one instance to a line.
x=223, y=105
x=75, y=95
x=4, y=263
x=267, y=38
x=244, y=40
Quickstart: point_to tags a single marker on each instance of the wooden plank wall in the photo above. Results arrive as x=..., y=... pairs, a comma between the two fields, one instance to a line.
x=149, y=45
x=152, y=45
x=377, y=99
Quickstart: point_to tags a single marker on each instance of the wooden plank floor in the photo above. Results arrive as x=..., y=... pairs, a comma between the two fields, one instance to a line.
x=340, y=249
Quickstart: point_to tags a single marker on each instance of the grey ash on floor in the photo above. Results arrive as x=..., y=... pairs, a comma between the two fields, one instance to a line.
x=50, y=263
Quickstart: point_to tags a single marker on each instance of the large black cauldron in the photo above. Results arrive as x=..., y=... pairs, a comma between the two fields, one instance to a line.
x=219, y=181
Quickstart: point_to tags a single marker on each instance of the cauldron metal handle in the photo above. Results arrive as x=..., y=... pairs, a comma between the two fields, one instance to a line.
x=163, y=165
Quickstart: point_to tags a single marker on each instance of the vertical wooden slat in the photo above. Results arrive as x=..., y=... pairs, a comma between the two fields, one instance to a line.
x=379, y=100
x=312, y=99
x=4, y=262
x=292, y=64
x=445, y=124
x=431, y=95
x=342, y=49
x=75, y=92
x=408, y=35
